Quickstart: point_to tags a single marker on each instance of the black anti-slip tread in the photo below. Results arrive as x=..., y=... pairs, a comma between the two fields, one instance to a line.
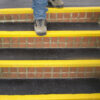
x=49, y=86
x=51, y=26
x=49, y=54
x=28, y=3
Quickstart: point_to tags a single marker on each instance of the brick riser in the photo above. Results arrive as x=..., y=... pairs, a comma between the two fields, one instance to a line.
x=39, y=73
x=54, y=17
x=47, y=42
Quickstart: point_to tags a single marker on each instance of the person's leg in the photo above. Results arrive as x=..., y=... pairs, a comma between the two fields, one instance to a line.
x=40, y=9
x=56, y=3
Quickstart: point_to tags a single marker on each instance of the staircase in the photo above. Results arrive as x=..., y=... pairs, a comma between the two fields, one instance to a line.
x=65, y=64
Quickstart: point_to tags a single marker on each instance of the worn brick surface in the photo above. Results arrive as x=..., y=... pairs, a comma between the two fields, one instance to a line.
x=41, y=73
x=54, y=17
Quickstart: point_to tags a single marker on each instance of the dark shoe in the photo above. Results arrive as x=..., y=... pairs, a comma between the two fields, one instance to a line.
x=56, y=3
x=40, y=27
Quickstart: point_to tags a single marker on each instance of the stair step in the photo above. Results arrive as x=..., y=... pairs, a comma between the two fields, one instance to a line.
x=49, y=57
x=58, y=89
x=54, y=30
x=66, y=14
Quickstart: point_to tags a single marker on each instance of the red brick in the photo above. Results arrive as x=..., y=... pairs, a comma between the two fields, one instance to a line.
x=73, y=20
x=22, y=69
x=97, y=75
x=89, y=14
x=60, y=15
x=84, y=45
x=15, y=45
x=5, y=75
x=57, y=69
x=69, y=45
x=54, y=39
x=30, y=16
x=74, y=15
x=6, y=40
x=70, y=39
x=39, y=75
x=76, y=45
x=67, y=15
x=4, y=69
x=30, y=75
x=97, y=69
x=81, y=69
x=96, y=14
x=80, y=75
x=1, y=17
x=46, y=39
x=65, y=75
x=73, y=69
x=54, y=45
x=22, y=45
x=47, y=75
x=65, y=69
x=30, y=45
x=8, y=17
x=6, y=45
x=89, y=75
x=46, y=45
x=13, y=69
x=22, y=40
x=67, y=20
x=53, y=16
x=15, y=16
x=85, y=39
x=39, y=69
x=62, y=45
x=39, y=39
x=47, y=69
x=15, y=40
x=89, y=69
x=22, y=75
x=82, y=15
x=30, y=69
x=56, y=75
x=73, y=75
x=82, y=20
x=39, y=45
x=12, y=75
x=62, y=39
x=30, y=39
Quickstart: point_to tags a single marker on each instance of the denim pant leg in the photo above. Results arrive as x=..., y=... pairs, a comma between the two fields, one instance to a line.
x=40, y=8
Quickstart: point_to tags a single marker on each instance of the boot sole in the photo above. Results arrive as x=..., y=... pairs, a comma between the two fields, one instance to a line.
x=41, y=34
x=59, y=6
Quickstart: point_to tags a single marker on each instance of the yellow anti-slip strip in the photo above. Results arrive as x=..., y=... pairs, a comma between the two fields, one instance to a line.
x=51, y=10
x=52, y=97
x=69, y=33
x=50, y=63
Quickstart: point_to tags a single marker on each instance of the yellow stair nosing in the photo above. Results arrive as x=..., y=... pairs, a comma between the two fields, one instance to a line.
x=93, y=96
x=51, y=10
x=58, y=33
x=50, y=63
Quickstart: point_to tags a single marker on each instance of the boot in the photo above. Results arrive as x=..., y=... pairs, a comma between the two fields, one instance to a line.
x=56, y=3
x=40, y=27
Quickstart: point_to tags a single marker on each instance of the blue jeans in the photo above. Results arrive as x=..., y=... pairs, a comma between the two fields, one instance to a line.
x=40, y=8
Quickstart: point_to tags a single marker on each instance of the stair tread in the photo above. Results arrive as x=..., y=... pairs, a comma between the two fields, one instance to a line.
x=49, y=86
x=51, y=26
x=49, y=54
x=68, y=3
